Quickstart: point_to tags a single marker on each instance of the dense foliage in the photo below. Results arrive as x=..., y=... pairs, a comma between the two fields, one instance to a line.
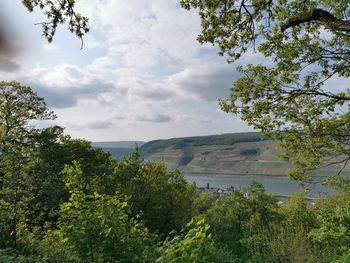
x=61, y=200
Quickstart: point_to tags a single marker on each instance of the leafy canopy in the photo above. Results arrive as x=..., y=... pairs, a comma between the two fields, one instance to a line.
x=162, y=196
x=99, y=227
x=288, y=95
x=19, y=105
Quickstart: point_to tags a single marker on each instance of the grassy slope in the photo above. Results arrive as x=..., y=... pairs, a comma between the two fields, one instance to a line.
x=238, y=153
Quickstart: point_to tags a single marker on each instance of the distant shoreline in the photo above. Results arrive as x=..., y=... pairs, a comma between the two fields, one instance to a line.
x=248, y=175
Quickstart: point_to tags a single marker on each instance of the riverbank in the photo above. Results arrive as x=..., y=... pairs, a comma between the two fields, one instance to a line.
x=276, y=185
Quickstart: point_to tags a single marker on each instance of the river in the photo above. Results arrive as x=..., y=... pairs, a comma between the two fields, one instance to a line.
x=278, y=185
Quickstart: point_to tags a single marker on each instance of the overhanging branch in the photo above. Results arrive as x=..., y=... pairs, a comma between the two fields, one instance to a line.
x=325, y=18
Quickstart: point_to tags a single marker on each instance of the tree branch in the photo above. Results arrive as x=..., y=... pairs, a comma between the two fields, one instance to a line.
x=325, y=18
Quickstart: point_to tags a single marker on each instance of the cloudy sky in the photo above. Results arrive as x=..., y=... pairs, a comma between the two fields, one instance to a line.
x=141, y=75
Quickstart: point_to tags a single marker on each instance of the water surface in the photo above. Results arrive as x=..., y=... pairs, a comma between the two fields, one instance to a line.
x=273, y=184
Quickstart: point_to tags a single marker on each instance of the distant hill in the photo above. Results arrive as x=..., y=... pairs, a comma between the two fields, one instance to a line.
x=236, y=153
x=118, y=149
x=196, y=141
x=118, y=144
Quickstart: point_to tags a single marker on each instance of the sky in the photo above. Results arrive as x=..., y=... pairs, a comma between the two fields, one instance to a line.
x=141, y=75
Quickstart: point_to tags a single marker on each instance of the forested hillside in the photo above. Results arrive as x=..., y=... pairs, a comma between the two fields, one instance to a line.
x=236, y=153
x=180, y=143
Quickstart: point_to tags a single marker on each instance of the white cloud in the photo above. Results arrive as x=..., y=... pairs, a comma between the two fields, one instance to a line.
x=66, y=85
x=142, y=74
x=50, y=47
x=90, y=41
x=8, y=65
x=146, y=34
x=198, y=119
x=207, y=81
x=153, y=117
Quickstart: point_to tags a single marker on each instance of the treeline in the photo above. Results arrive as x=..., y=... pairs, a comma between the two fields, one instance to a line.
x=61, y=200
x=180, y=143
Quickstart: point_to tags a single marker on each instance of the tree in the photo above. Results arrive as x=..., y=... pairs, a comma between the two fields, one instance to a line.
x=240, y=221
x=53, y=151
x=193, y=244
x=203, y=202
x=59, y=12
x=289, y=95
x=289, y=239
x=162, y=196
x=333, y=227
x=19, y=105
x=332, y=234
x=98, y=227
